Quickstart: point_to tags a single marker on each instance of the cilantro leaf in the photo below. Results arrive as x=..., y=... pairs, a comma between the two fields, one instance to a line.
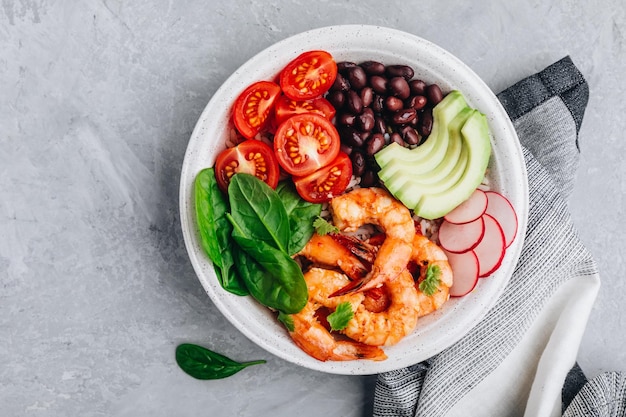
x=431, y=281
x=339, y=319
x=322, y=227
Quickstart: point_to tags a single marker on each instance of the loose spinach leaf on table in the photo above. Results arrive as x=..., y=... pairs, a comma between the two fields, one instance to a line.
x=215, y=229
x=301, y=215
x=202, y=363
x=273, y=277
x=259, y=211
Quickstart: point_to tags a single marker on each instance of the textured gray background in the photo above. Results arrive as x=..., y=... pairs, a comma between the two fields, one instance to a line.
x=97, y=102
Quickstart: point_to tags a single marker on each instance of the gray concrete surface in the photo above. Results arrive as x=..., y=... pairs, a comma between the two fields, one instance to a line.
x=97, y=102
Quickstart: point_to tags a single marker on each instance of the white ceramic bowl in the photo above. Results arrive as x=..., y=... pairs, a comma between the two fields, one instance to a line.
x=358, y=43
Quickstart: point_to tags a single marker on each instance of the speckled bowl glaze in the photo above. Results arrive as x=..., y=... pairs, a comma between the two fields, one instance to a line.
x=431, y=63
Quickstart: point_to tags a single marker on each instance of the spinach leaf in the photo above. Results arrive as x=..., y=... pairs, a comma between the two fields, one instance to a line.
x=301, y=215
x=259, y=211
x=215, y=230
x=273, y=277
x=202, y=363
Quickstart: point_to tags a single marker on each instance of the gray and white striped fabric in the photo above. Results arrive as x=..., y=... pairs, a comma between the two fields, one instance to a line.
x=547, y=110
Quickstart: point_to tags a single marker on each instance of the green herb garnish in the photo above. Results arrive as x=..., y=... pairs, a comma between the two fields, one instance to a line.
x=340, y=318
x=431, y=281
x=286, y=320
x=202, y=363
x=322, y=227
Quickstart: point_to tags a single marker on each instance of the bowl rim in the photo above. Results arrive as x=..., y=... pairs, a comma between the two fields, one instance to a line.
x=272, y=59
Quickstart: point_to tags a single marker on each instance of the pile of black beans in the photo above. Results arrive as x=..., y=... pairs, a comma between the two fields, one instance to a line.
x=378, y=104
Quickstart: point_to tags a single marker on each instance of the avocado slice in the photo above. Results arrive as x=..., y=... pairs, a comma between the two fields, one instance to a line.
x=476, y=139
x=431, y=153
x=411, y=188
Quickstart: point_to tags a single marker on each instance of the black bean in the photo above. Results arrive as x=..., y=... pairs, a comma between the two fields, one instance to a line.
x=395, y=137
x=357, y=77
x=417, y=102
x=341, y=84
x=346, y=119
x=418, y=87
x=365, y=135
x=351, y=137
x=393, y=104
x=344, y=66
x=411, y=136
x=366, y=120
x=399, y=87
x=367, y=95
x=347, y=149
x=400, y=71
x=354, y=102
x=380, y=126
x=434, y=94
x=378, y=103
x=358, y=163
x=373, y=67
x=368, y=179
x=404, y=116
x=375, y=143
x=379, y=84
x=337, y=99
x=426, y=123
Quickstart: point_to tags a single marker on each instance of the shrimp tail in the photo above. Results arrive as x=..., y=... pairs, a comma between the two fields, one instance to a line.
x=352, y=287
x=346, y=351
x=366, y=253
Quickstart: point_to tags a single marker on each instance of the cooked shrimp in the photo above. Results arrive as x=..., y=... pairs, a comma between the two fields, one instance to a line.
x=326, y=251
x=388, y=327
x=427, y=253
x=312, y=337
x=375, y=206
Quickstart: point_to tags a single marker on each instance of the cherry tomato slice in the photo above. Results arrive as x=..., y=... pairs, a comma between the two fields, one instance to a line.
x=250, y=156
x=327, y=182
x=309, y=75
x=286, y=107
x=305, y=142
x=253, y=107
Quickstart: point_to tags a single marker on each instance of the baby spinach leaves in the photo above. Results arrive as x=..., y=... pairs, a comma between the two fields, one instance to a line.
x=202, y=363
x=261, y=228
x=272, y=276
x=258, y=209
x=251, y=236
x=301, y=216
x=215, y=230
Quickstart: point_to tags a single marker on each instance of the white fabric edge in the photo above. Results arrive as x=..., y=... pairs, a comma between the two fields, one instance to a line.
x=561, y=351
x=529, y=381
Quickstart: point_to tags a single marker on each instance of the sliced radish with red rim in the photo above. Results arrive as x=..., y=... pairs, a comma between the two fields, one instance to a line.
x=469, y=210
x=502, y=210
x=458, y=238
x=490, y=250
x=464, y=271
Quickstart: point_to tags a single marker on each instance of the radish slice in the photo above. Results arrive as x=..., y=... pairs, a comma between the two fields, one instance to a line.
x=469, y=210
x=464, y=272
x=491, y=248
x=459, y=238
x=501, y=209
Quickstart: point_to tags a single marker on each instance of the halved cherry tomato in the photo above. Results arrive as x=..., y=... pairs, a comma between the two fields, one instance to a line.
x=309, y=75
x=253, y=107
x=327, y=182
x=250, y=156
x=305, y=142
x=286, y=107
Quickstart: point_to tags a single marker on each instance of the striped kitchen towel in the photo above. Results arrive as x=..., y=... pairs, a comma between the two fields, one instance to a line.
x=516, y=360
